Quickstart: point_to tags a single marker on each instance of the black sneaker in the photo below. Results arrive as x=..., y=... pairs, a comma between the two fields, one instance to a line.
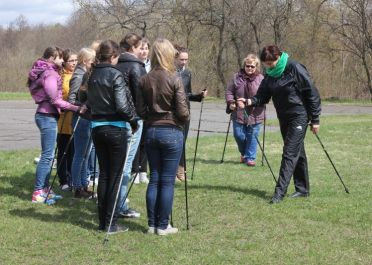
x=114, y=229
x=130, y=213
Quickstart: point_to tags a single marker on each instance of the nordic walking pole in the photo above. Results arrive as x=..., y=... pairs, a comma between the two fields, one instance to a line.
x=267, y=161
x=227, y=135
x=186, y=200
x=130, y=187
x=330, y=160
x=263, y=153
x=63, y=156
x=197, y=138
x=263, y=137
x=117, y=192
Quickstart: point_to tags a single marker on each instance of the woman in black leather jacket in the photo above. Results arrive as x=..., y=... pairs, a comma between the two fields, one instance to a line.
x=297, y=103
x=112, y=111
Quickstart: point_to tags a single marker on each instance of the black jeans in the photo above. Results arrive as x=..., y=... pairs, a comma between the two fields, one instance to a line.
x=111, y=146
x=294, y=161
x=64, y=165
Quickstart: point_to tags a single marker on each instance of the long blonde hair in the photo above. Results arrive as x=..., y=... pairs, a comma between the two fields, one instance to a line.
x=162, y=55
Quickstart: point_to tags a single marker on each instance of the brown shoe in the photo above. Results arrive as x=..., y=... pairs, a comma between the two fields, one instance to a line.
x=81, y=194
x=181, y=173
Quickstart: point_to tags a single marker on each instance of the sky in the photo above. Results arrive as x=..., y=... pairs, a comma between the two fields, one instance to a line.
x=35, y=11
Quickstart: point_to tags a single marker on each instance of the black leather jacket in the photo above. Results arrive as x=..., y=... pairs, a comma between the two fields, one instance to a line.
x=108, y=95
x=185, y=75
x=133, y=68
x=294, y=94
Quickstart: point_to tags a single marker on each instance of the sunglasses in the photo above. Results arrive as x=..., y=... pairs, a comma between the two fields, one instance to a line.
x=250, y=66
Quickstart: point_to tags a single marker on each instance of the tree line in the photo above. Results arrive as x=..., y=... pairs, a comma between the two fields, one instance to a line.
x=333, y=38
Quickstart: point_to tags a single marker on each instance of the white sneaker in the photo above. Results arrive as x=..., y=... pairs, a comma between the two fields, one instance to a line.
x=167, y=231
x=36, y=160
x=143, y=177
x=137, y=179
x=151, y=230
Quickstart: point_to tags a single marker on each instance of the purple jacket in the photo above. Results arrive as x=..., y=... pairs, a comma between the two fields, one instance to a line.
x=244, y=86
x=45, y=86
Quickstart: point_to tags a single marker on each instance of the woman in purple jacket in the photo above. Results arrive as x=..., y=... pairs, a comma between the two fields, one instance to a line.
x=45, y=85
x=246, y=121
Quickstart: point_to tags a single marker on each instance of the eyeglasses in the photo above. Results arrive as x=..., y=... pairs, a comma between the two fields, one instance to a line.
x=72, y=61
x=250, y=66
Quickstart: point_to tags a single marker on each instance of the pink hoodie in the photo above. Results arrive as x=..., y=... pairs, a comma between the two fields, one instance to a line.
x=45, y=86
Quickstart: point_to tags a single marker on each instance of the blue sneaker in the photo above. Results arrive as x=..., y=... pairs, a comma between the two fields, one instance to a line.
x=52, y=195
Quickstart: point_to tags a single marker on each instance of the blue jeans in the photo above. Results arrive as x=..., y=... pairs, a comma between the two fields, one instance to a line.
x=245, y=137
x=48, y=134
x=164, y=147
x=93, y=167
x=134, y=139
x=79, y=162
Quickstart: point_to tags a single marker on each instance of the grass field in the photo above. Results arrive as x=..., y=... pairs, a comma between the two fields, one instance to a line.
x=231, y=221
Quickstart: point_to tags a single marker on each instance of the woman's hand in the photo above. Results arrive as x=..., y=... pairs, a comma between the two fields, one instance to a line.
x=232, y=106
x=314, y=128
x=204, y=93
x=241, y=103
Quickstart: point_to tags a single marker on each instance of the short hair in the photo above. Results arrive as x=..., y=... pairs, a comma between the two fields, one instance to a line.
x=252, y=58
x=86, y=54
x=107, y=49
x=180, y=49
x=53, y=52
x=163, y=54
x=270, y=53
x=130, y=40
x=146, y=41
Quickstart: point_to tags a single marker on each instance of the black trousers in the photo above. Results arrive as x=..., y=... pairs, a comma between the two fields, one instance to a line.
x=111, y=146
x=64, y=165
x=294, y=161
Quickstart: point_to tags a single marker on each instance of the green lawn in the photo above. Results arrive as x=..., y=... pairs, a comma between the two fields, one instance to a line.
x=231, y=221
x=15, y=96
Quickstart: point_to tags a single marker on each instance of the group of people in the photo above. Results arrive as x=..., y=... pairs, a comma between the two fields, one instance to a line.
x=129, y=109
x=93, y=104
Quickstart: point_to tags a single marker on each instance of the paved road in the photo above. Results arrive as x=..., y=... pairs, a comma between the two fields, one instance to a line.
x=18, y=130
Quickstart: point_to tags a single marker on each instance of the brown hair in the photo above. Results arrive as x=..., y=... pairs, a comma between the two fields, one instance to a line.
x=270, y=53
x=107, y=49
x=146, y=41
x=130, y=40
x=52, y=52
x=179, y=49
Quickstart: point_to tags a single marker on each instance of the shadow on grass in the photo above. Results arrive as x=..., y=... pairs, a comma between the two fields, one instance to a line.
x=81, y=213
x=254, y=192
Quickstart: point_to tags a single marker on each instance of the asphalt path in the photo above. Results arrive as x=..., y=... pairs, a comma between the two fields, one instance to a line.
x=18, y=130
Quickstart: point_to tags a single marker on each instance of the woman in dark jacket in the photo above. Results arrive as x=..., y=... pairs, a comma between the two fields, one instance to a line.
x=297, y=102
x=161, y=102
x=246, y=122
x=112, y=111
x=133, y=68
